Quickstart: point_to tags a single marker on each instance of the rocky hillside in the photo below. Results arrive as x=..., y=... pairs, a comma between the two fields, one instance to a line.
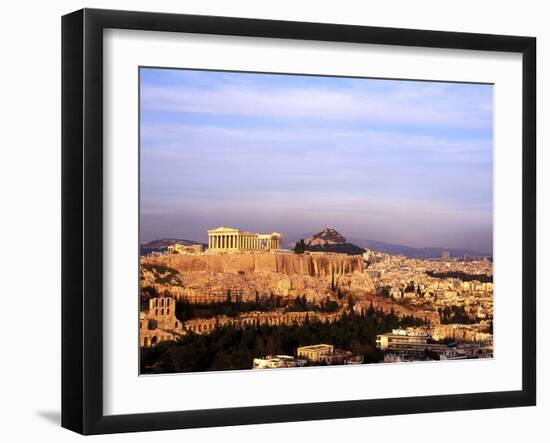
x=154, y=273
x=315, y=265
x=207, y=278
x=328, y=236
x=330, y=240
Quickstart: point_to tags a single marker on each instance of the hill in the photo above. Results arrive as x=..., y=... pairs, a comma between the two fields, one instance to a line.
x=328, y=236
x=330, y=240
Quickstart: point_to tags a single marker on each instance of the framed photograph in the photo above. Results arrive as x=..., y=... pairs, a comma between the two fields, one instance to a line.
x=269, y=221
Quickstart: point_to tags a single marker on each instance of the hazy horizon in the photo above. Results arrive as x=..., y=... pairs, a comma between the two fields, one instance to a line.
x=401, y=162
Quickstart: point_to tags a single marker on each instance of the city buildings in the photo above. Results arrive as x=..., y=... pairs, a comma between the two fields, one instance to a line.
x=312, y=355
x=420, y=343
x=315, y=353
x=328, y=354
x=278, y=361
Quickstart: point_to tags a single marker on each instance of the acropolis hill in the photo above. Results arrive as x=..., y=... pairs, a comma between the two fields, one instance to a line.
x=207, y=277
x=315, y=265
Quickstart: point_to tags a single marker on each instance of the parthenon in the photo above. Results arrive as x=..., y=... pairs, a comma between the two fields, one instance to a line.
x=230, y=239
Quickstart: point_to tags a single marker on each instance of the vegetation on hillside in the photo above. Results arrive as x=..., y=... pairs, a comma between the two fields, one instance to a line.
x=232, y=348
x=340, y=248
x=187, y=311
x=462, y=276
x=455, y=314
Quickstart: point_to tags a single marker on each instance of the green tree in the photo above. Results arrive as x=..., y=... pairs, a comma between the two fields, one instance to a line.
x=300, y=247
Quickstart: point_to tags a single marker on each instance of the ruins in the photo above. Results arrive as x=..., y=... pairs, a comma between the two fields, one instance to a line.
x=230, y=240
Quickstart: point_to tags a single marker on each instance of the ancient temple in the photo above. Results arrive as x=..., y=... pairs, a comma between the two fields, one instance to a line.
x=230, y=239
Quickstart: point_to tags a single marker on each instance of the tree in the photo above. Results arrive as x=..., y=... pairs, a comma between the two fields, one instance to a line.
x=300, y=247
x=371, y=311
x=350, y=303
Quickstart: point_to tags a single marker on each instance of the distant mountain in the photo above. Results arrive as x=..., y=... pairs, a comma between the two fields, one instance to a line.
x=162, y=245
x=409, y=251
x=328, y=236
x=330, y=240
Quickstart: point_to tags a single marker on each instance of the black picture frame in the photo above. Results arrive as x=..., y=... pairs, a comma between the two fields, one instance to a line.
x=82, y=218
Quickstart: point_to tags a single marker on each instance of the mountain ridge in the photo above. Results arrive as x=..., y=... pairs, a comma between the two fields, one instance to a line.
x=418, y=252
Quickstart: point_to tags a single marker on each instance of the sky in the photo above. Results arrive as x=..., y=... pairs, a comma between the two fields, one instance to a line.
x=406, y=162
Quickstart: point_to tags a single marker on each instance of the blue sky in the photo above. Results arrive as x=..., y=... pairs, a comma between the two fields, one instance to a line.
x=398, y=161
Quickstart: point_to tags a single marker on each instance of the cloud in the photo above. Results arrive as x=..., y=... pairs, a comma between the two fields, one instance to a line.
x=164, y=138
x=406, y=162
x=425, y=105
